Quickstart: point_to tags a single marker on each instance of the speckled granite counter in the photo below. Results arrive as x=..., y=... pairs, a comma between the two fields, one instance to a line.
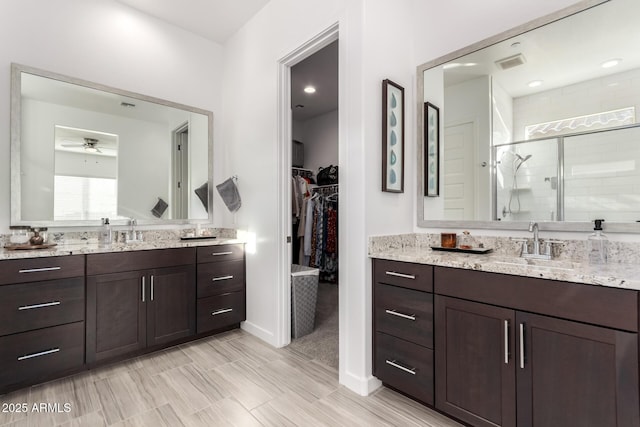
x=620, y=275
x=94, y=248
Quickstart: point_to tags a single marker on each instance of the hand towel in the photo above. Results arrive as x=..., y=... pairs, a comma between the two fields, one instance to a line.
x=229, y=193
x=159, y=208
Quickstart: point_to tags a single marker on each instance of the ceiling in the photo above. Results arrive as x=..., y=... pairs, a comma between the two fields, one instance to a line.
x=215, y=20
x=565, y=52
x=320, y=70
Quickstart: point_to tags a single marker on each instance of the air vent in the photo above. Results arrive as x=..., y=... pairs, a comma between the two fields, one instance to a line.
x=510, y=62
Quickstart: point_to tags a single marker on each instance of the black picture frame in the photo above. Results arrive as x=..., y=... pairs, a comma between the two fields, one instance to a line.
x=392, y=137
x=431, y=153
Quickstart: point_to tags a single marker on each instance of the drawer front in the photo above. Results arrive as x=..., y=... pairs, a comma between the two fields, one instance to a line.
x=220, y=311
x=404, y=313
x=34, y=356
x=115, y=262
x=405, y=366
x=404, y=274
x=37, y=305
x=220, y=278
x=39, y=269
x=217, y=253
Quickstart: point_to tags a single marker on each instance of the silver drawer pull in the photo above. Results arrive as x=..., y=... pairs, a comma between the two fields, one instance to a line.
x=393, y=363
x=45, y=304
x=215, y=279
x=38, y=270
x=222, y=253
x=221, y=311
x=404, y=276
x=42, y=353
x=404, y=316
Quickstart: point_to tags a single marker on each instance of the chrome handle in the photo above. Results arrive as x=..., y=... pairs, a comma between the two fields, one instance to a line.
x=506, y=342
x=152, y=287
x=42, y=353
x=143, y=296
x=221, y=311
x=38, y=270
x=404, y=316
x=45, y=304
x=521, y=345
x=215, y=279
x=393, y=363
x=404, y=276
x=221, y=253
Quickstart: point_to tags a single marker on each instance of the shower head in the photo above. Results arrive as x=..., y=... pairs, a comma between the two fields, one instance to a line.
x=521, y=160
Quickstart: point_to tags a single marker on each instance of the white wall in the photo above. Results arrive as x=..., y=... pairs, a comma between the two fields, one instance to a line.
x=106, y=42
x=320, y=138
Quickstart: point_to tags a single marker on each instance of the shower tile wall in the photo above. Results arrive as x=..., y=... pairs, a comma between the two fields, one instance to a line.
x=600, y=172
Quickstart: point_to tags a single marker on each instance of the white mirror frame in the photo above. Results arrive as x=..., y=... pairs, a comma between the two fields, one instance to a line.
x=16, y=128
x=626, y=227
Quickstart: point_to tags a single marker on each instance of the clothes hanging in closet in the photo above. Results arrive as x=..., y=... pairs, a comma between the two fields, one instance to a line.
x=321, y=232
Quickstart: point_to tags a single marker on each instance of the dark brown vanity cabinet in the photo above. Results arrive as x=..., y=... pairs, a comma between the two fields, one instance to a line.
x=403, y=327
x=572, y=363
x=221, y=287
x=41, y=319
x=139, y=299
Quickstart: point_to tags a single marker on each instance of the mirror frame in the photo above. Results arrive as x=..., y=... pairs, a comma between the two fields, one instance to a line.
x=626, y=227
x=16, y=129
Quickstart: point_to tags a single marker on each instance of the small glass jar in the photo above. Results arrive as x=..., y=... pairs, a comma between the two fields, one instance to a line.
x=465, y=241
x=448, y=240
x=19, y=235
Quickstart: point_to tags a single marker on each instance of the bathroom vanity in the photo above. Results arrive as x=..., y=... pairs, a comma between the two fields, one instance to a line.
x=505, y=348
x=62, y=312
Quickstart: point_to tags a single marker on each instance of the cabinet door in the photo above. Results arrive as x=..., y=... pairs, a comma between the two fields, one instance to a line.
x=576, y=375
x=116, y=315
x=475, y=375
x=171, y=307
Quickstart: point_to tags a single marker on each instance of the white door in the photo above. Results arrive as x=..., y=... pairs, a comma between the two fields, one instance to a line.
x=459, y=172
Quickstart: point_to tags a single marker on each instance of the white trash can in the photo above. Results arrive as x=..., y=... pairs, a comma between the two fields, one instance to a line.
x=304, y=295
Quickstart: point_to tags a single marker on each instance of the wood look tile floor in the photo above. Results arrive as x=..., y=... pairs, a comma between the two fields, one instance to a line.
x=232, y=379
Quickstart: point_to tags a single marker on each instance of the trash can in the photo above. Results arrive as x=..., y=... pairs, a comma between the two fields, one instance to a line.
x=304, y=294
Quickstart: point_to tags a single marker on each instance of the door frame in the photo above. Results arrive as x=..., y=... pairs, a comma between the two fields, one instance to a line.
x=283, y=305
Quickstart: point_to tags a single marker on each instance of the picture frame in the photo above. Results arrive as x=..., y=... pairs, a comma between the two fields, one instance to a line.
x=392, y=137
x=431, y=153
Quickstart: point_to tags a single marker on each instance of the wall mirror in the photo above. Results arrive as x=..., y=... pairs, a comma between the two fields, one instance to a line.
x=81, y=151
x=539, y=123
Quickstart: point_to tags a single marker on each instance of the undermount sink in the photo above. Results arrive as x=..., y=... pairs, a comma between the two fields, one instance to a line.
x=540, y=263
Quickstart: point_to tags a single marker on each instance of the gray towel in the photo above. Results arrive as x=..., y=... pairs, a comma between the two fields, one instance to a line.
x=229, y=194
x=159, y=208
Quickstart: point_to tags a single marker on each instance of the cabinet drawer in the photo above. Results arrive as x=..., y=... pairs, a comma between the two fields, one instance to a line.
x=34, y=356
x=220, y=311
x=37, y=305
x=404, y=313
x=404, y=274
x=218, y=253
x=115, y=262
x=37, y=269
x=220, y=278
x=405, y=366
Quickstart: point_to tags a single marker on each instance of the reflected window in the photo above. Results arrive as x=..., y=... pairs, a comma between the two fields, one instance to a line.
x=84, y=198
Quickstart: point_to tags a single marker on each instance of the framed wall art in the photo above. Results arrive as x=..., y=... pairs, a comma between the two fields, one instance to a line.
x=432, y=150
x=392, y=137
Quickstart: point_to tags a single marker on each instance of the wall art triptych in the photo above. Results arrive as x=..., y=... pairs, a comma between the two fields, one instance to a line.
x=392, y=137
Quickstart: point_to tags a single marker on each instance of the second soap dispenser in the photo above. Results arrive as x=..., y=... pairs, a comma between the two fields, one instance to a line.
x=597, y=244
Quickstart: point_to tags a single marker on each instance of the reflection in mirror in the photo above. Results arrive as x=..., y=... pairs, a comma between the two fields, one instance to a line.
x=82, y=151
x=540, y=125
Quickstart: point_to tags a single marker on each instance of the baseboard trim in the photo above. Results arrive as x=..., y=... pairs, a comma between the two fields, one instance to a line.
x=259, y=332
x=364, y=386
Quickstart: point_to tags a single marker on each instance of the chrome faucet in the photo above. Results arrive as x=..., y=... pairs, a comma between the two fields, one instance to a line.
x=533, y=228
x=535, y=252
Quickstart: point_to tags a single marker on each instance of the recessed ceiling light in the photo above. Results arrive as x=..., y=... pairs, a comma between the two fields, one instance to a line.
x=535, y=83
x=310, y=89
x=611, y=63
x=469, y=64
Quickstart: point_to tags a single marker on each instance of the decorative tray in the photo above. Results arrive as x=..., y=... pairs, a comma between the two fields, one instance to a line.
x=467, y=251
x=197, y=237
x=29, y=247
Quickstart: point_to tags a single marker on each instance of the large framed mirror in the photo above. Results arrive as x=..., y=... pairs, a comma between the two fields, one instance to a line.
x=82, y=151
x=539, y=123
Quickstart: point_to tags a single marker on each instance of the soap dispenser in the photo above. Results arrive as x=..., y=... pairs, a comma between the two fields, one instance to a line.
x=105, y=232
x=597, y=244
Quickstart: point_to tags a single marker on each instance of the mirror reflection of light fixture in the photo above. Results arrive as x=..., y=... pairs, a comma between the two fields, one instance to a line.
x=535, y=83
x=90, y=145
x=611, y=63
x=310, y=89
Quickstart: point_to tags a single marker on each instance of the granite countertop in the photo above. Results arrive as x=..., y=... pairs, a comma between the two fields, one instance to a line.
x=616, y=275
x=92, y=247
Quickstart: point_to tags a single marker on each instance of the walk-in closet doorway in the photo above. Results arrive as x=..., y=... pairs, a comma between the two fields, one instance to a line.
x=310, y=209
